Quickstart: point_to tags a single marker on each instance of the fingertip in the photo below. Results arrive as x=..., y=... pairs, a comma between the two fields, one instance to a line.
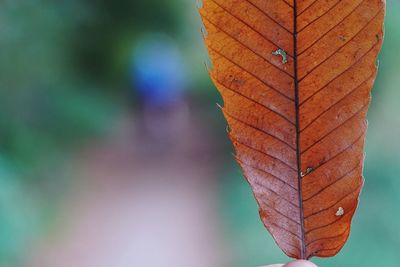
x=300, y=263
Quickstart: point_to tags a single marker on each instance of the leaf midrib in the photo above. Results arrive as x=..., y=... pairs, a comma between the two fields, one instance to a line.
x=298, y=131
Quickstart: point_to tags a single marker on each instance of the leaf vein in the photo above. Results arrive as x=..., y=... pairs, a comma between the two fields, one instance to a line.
x=325, y=209
x=252, y=74
x=311, y=22
x=267, y=15
x=343, y=46
x=268, y=173
x=333, y=28
x=254, y=101
x=248, y=25
x=248, y=48
x=335, y=128
x=340, y=74
x=330, y=237
x=331, y=223
x=338, y=154
x=275, y=193
x=260, y=130
x=262, y=152
x=337, y=103
x=333, y=183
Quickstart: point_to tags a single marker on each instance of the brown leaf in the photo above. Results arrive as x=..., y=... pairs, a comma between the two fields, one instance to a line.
x=296, y=78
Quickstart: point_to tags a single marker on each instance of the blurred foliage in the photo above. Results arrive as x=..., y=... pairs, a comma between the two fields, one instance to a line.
x=63, y=76
x=43, y=105
x=103, y=42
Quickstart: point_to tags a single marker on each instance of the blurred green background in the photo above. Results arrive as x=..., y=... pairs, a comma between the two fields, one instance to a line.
x=65, y=77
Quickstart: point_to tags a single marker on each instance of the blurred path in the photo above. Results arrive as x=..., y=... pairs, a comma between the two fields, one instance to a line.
x=135, y=207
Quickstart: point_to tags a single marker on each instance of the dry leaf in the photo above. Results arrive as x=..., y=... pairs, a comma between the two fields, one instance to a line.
x=296, y=78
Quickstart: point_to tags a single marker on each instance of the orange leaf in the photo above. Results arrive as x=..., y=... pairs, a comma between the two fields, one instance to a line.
x=296, y=76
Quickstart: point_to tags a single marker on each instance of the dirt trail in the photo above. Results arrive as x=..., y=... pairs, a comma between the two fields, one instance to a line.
x=133, y=206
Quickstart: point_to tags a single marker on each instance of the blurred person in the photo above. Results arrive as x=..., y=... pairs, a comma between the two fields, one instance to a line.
x=132, y=205
x=159, y=81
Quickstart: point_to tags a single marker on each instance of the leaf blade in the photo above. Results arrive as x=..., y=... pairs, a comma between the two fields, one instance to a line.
x=298, y=126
